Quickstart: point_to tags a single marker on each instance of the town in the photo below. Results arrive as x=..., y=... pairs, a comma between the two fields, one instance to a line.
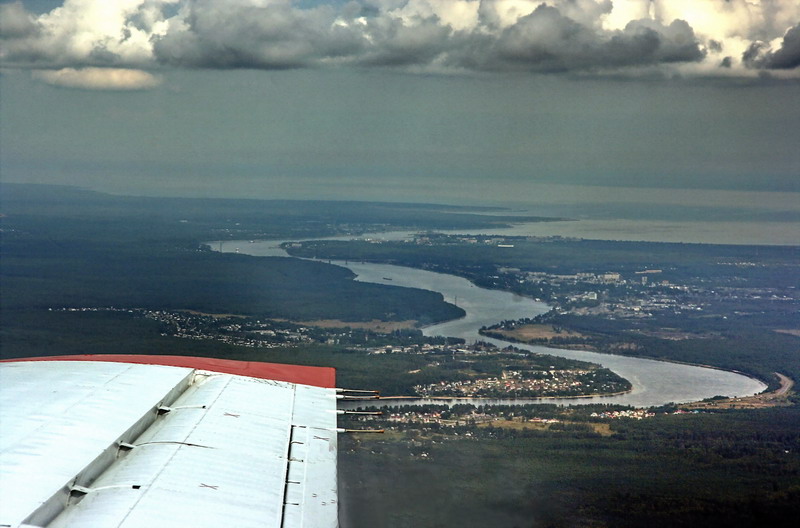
x=445, y=367
x=520, y=384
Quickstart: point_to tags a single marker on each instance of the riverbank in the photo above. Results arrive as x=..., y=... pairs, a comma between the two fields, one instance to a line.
x=510, y=336
x=654, y=382
x=780, y=397
x=492, y=401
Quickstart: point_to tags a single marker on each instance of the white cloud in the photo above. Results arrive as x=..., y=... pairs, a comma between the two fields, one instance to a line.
x=691, y=37
x=99, y=78
x=458, y=14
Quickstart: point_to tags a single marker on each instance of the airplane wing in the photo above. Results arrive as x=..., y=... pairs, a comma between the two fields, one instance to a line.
x=166, y=441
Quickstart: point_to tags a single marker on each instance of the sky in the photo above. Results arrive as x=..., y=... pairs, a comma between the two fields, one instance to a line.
x=455, y=101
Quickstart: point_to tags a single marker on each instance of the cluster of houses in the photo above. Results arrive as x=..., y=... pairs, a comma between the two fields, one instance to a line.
x=637, y=414
x=512, y=383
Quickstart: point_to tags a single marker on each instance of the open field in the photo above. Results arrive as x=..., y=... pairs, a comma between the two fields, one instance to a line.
x=216, y=315
x=530, y=332
x=777, y=398
x=375, y=325
x=601, y=428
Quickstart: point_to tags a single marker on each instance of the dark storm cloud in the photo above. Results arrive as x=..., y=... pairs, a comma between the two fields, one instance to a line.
x=397, y=44
x=214, y=35
x=281, y=36
x=760, y=55
x=548, y=41
x=419, y=35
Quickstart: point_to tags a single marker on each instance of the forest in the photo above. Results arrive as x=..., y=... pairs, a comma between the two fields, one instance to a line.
x=736, y=468
x=67, y=247
x=761, y=266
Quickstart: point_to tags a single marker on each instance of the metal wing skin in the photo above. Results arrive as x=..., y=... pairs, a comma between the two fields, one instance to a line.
x=111, y=444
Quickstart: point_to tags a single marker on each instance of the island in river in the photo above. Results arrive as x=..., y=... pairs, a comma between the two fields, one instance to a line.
x=654, y=382
x=733, y=307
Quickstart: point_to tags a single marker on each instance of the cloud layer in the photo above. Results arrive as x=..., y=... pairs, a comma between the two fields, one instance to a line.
x=99, y=78
x=733, y=38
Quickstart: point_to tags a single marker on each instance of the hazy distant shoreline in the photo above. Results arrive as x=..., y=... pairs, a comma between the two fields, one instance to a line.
x=758, y=233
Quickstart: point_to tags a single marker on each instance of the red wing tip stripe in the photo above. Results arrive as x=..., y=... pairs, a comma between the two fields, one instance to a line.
x=317, y=376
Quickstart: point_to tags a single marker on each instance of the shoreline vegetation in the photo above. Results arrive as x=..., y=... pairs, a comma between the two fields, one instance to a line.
x=780, y=397
x=542, y=338
x=717, y=305
x=592, y=348
x=509, y=398
x=505, y=336
x=545, y=338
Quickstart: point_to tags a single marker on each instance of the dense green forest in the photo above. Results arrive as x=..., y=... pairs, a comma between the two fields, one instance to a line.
x=774, y=266
x=66, y=247
x=737, y=468
x=59, y=211
x=69, y=247
x=33, y=333
x=736, y=345
x=41, y=273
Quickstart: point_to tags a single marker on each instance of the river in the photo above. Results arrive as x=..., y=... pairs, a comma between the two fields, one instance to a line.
x=654, y=382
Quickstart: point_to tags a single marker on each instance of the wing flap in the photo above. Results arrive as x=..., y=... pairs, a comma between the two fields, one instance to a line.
x=229, y=451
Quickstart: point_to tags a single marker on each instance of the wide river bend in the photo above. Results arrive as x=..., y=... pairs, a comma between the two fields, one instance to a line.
x=654, y=382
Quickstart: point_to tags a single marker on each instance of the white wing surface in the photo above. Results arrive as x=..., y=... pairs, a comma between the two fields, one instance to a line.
x=114, y=444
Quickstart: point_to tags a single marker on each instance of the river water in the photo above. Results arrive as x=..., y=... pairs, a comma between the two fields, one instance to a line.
x=654, y=382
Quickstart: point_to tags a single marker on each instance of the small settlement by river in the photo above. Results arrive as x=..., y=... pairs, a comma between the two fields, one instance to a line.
x=654, y=383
